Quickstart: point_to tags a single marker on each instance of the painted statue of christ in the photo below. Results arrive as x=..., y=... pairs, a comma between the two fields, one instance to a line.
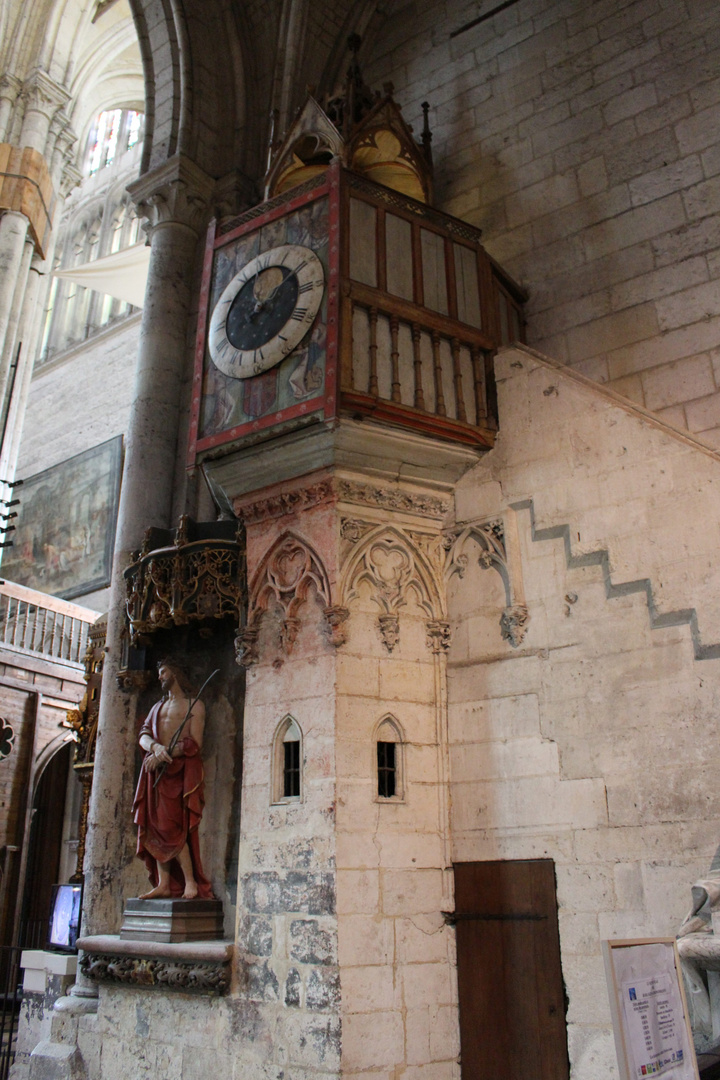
x=168, y=813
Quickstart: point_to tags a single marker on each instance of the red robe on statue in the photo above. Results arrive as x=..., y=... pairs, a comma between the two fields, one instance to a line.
x=168, y=816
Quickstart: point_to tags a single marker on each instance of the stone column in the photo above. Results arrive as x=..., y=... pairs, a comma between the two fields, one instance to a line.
x=175, y=198
x=26, y=338
x=13, y=232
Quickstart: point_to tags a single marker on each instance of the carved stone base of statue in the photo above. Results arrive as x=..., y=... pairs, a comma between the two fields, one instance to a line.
x=172, y=920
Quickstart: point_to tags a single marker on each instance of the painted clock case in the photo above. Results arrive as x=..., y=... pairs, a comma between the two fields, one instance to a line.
x=412, y=311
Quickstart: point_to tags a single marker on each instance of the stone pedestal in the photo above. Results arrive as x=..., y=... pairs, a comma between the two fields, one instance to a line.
x=172, y=920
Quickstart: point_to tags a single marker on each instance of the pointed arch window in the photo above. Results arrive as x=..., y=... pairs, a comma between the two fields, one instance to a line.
x=389, y=761
x=287, y=762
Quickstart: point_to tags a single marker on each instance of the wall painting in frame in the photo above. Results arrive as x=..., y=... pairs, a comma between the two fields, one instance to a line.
x=65, y=535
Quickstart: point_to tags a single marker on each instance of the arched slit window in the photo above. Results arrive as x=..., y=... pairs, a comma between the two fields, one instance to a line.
x=287, y=762
x=389, y=761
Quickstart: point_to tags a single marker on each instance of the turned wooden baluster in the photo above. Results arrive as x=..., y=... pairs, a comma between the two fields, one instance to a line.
x=419, y=398
x=478, y=365
x=394, y=359
x=440, y=409
x=457, y=380
x=373, y=380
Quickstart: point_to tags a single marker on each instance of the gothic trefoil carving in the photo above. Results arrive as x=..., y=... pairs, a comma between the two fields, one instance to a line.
x=289, y=573
x=385, y=559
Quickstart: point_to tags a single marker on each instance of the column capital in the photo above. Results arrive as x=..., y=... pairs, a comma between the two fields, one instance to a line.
x=42, y=94
x=177, y=191
x=10, y=86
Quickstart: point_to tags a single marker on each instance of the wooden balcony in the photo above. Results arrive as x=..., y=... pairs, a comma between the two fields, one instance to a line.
x=34, y=622
x=424, y=309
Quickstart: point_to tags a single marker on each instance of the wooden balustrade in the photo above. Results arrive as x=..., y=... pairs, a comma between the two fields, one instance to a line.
x=422, y=316
x=35, y=622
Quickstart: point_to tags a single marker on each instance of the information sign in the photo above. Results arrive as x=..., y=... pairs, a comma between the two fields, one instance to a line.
x=649, y=1011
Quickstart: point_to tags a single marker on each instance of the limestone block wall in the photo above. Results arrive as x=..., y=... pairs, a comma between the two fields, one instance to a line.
x=583, y=138
x=594, y=741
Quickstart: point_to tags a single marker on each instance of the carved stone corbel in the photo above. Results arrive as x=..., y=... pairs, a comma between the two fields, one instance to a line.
x=439, y=635
x=513, y=624
x=334, y=618
x=246, y=653
x=389, y=630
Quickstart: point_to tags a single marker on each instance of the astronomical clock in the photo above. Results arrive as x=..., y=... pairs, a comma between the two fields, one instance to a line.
x=346, y=293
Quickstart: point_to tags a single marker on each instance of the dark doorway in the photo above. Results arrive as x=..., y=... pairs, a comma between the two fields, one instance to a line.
x=44, y=850
x=512, y=1001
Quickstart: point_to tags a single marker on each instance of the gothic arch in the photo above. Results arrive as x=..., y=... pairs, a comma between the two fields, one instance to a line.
x=392, y=564
x=394, y=567
x=289, y=571
x=195, y=102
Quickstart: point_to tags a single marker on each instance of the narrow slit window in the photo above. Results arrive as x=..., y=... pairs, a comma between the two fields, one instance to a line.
x=387, y=770
x=287, y=757
x=291, y=770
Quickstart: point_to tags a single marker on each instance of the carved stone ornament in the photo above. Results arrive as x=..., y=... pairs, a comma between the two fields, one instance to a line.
x=513, y=624
x=246, y=653
x=439, y=636
x=190, y=977
x=198, y=577
x=177, y=191
x=392, y=499
x=389, y=630
x=286, y=502
x=134, y=682
x=334, y=619
x=289, y=573
x=388, y=562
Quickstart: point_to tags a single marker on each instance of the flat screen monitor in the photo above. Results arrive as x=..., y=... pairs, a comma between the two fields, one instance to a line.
x=65, y=909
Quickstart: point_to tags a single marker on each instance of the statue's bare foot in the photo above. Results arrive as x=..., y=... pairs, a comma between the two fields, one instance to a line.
x=191, y=891
x=160, y=892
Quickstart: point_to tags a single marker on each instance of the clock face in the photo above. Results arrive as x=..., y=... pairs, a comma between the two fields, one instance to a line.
x=266, y=310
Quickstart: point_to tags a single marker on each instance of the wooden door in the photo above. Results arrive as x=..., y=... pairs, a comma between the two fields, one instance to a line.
x=512, y=1001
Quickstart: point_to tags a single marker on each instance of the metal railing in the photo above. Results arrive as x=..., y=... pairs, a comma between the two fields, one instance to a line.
x=31, y=621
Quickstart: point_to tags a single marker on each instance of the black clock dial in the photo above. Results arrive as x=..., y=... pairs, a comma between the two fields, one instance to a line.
x=261, y=309
x=266, y=310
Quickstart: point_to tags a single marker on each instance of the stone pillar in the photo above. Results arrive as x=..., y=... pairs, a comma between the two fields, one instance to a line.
x=10, y=88
x=176, y=199
x=26, y=339
x=13, y=232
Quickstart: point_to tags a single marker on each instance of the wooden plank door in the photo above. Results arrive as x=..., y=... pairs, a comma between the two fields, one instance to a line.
x=512, y=1001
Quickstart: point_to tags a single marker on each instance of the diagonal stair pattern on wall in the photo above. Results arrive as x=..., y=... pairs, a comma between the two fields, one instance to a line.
x=601, y=558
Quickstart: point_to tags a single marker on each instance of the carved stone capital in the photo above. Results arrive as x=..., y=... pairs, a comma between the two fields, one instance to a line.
x=42, y=94
x=10, y=87
x=334, y=618
x=439, y=635
x=178, y=191
x=513, y=624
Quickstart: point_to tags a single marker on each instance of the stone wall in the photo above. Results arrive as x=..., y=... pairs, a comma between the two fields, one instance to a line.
x=594, y=741
x=583, y=138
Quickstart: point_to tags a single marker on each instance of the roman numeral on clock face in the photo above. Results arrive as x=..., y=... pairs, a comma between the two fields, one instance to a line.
x=299, y=314
x=306, y=287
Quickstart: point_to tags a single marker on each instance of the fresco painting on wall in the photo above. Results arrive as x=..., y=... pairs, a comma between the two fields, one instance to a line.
x=66, y=524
